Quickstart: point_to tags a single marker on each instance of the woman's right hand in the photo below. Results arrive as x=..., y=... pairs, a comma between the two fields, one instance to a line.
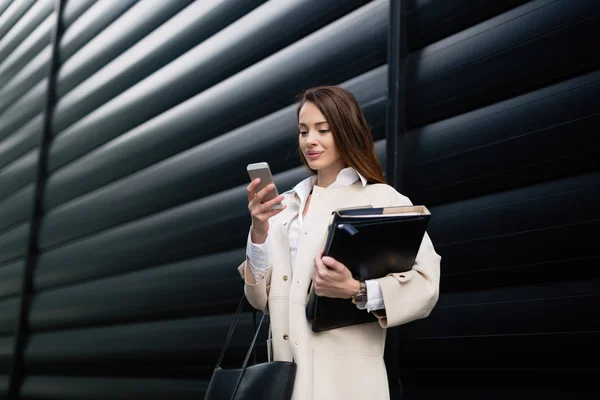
x=260, y=211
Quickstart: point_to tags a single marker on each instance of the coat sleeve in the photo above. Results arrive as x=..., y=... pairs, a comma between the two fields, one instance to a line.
x=256, y=293
x=411, y=295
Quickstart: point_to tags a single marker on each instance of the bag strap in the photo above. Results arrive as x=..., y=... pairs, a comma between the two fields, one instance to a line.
x=232, y=329
x=254, y=327
x=230, y=334
x=245, y=364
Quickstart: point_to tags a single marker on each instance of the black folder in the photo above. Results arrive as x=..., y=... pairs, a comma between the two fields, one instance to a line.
x=371, y=243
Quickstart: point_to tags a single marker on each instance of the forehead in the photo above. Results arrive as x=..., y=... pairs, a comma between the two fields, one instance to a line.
x=310, y=114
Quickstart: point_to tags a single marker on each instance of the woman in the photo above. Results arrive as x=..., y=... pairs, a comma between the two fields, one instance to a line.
x=284, y=255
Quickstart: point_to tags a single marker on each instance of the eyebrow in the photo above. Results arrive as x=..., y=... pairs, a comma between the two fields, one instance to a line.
x=318, y=123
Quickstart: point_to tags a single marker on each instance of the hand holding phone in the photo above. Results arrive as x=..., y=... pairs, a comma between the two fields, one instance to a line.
x=264, y=200
x=262, y=171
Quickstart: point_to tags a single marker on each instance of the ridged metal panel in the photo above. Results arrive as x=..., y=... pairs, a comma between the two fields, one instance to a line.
x=13, y=243
x=9, y=308
x=215, y=165
x=246, y=38
x=4, y=4
x=201, y=227
x=502, y=119
x=20, y=70
x=458, y=157
x=123, y=283
x=199, y=13
x=548, y=240
x=6, y=351
x=137, y=22
x=431, y=20
x=19, y=173
x=27, y=23
x=12, y=14
x=10, y=278
x=108, y=336
x=168, y=291
x=175, y=348
x=3, y=385
x=275, y=80
x=507, y=55
x=198, y=286
x=133, y=150
x=16, y=208
x=123, y=113
x=77, y=388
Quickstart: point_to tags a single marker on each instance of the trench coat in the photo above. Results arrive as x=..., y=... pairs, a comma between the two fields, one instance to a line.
x=345, y=363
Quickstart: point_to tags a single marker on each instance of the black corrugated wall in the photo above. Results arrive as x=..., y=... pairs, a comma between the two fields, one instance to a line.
x=159, y=107
x=502, y=110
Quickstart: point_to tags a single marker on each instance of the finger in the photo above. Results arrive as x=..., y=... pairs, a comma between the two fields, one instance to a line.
x=251, y=189
x=335, y=265
x=268, y=204
x=260, y=195
x=263, y=216
x=270, y=213
x=321, y=269
x=331, y=262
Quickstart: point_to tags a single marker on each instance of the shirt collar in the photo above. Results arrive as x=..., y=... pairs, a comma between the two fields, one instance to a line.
x=346, y=177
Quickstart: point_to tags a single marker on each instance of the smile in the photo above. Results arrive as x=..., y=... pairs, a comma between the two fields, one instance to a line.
x=313, y=156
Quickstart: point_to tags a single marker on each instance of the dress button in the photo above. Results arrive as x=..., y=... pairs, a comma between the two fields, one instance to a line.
x=299, y=281
x=306, y=232
x=285, y=277
x=285, y=336
x=296, y=343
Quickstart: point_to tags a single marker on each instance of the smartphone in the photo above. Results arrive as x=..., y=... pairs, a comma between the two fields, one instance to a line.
x=263, y=171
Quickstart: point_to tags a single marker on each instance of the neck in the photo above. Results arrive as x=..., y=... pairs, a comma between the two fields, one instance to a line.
x=326, y=176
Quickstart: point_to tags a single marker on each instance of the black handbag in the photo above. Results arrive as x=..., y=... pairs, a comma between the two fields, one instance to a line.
x=272, y=380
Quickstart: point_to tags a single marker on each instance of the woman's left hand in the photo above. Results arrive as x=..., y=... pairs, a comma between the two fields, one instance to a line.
x=331, y=278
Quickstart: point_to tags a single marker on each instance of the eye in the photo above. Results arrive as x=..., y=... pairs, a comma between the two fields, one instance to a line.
x=323, y=130
x=303, y=132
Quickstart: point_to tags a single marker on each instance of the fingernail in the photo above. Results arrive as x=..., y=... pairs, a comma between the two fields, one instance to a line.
x=327, y=259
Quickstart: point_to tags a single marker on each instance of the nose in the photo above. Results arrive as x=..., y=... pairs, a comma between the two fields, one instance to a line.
x=311, y=138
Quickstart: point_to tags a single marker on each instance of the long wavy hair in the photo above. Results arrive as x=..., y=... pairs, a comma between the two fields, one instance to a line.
x=351, y=133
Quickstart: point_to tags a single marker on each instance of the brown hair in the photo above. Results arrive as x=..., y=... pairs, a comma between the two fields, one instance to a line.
x=351, y=133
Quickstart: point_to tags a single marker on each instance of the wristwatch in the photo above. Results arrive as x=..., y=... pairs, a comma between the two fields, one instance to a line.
x=361, y=295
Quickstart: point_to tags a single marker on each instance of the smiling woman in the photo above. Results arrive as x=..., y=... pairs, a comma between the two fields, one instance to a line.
x=335, y=113
x=284, y=257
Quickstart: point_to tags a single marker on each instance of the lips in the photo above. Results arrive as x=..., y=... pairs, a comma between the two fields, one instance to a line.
x=313, y=154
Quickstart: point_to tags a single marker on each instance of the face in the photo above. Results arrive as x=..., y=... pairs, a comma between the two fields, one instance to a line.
x=316, y=140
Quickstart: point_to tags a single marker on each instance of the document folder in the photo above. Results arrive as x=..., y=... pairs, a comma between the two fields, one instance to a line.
x=371, y=243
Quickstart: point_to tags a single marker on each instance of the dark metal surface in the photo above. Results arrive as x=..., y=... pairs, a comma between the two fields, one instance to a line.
x=29, y=72
x=221, y=161
x=10, y=16
x=11, y=275
x=32, y=248
x=525, y=48
x=27, y=23
x=548, y=133
x=146, y=211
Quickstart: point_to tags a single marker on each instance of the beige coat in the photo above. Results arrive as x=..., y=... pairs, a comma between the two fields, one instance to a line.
x=344, y=363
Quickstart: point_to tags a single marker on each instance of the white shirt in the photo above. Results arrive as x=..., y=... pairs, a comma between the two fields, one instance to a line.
x=258, y=256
